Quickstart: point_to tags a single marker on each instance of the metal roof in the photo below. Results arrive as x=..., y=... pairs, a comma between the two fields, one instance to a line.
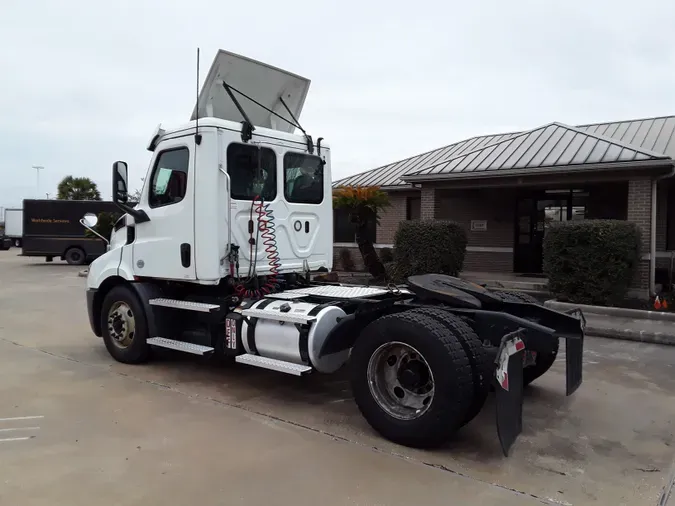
x=552, y=145
x=655, y=136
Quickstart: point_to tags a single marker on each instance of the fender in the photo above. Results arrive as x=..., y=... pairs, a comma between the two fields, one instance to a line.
x=144, y=290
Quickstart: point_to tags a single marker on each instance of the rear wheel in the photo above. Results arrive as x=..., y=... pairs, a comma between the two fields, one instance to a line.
x=513, y=296
x=75, y=256
x=542, y=363
x=411, y=379
x=124, y=326
x=480, y=360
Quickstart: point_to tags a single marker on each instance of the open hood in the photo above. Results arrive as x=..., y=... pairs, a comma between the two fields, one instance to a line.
x=263, y=83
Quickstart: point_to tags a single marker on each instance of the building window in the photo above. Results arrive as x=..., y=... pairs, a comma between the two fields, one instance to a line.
x=413, y=209
x=303, y=178
x=345, y=231
x=252, y=171
x=169, y=177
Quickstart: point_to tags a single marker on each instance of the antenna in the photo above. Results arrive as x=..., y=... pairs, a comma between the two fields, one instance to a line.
x=198, y=137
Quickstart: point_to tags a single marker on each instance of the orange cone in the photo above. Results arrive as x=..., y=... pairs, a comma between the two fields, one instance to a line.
x=665, y=304
x=657, y=303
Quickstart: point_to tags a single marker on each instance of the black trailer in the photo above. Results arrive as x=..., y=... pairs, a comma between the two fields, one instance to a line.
x=52, y=229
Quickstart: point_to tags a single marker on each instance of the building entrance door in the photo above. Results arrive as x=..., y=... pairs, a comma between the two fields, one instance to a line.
x=535, y=212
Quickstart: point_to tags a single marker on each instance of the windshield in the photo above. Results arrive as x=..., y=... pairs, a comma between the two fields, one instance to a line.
x=303, y=178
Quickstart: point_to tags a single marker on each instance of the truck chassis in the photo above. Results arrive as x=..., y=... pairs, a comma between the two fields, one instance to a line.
x=423, y=356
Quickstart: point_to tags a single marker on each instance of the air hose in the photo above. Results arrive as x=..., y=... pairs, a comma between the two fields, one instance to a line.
x=266, y=229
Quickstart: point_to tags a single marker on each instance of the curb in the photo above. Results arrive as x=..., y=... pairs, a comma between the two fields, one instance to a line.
x=612, y=311
x=641, y=336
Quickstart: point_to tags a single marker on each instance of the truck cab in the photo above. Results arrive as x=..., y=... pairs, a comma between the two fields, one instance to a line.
x=236, y=165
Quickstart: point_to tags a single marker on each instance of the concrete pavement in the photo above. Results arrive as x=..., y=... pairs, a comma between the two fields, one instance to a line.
x=236, y=435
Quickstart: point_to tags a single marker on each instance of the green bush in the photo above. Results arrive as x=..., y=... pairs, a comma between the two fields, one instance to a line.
x=430, y=246
x=591, y=262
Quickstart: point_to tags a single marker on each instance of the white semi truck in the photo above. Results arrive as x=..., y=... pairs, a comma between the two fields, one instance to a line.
x=218, y=255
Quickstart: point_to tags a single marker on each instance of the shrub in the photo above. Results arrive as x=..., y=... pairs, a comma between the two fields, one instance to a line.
x=386, y=255
x=430, y=246
x=591, y=262
x=346, y=260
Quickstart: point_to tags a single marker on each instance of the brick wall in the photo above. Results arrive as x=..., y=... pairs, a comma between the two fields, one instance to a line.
x=661, y=215
x=355, y=254
x=497, y=207
x=639, y=212
x=393, y=215
x=430, y=205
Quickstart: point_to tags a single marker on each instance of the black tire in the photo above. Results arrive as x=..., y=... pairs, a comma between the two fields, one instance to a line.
x=75, y=256
x=138, y=351
x=449, y=366
x=543, y=363
x=482, y=366
x=17, y=243
x=513, y=296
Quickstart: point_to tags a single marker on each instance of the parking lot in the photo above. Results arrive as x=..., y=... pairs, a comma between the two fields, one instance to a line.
x=75, y=426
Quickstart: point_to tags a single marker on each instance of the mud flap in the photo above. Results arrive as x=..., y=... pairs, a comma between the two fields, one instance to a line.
x=574, y=351
x=509, y=389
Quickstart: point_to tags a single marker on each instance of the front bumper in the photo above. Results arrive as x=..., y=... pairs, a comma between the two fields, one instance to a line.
x=94, y=322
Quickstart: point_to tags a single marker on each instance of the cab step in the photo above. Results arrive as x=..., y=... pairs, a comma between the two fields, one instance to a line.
x=273, y=364
x=195, y=349
x=189, y=305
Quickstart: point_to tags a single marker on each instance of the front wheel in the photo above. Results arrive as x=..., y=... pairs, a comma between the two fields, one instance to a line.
x=124, y=326
x=411, y=379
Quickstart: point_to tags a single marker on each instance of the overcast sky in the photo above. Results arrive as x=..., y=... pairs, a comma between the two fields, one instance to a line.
x=83, y=85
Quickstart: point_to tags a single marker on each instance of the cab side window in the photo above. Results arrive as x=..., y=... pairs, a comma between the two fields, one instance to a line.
x=169, y=177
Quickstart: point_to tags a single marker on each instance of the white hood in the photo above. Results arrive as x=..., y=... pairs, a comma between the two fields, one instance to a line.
x=263, y=83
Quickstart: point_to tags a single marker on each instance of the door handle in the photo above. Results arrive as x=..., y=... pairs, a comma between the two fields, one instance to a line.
x=185, y=250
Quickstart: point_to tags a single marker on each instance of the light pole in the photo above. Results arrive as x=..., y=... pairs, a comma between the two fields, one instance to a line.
x=38, y=168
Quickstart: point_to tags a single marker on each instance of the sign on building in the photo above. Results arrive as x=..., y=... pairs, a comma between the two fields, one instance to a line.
x=478, y=225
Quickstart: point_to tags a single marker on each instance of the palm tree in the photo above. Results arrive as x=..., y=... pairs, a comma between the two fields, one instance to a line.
x=77, y=188
x=363, y=203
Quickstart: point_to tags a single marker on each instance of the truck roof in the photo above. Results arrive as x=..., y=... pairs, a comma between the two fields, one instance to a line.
x=236, y=127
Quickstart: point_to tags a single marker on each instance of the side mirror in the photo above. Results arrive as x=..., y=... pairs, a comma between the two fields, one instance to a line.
x=120, y=186
x=90, y=219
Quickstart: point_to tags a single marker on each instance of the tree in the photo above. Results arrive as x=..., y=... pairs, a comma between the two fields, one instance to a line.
x=363, y=203
x=77, y=188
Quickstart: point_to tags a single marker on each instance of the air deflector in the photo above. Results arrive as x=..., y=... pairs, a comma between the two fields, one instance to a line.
x=263, y=83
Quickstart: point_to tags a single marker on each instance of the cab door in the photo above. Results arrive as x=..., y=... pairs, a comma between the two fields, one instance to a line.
x=164, y=245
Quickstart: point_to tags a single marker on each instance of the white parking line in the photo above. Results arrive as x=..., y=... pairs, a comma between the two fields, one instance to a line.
x=19, y=428
x=21, y=418
x=15, y=439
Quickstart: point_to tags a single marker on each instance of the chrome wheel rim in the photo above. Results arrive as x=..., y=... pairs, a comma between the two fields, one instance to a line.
x=400, y=381
x=121, y=324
